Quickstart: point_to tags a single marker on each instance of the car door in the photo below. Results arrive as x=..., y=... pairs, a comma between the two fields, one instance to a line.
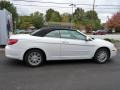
x=74, y=45
x=52, y=45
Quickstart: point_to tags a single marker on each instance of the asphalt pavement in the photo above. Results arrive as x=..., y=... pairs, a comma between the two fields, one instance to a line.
x=60, y=75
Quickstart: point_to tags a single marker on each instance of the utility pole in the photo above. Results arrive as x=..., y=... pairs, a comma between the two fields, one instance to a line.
x=108, y=18
x=72, y=6
x=14, y=31
x=93, y=13
x=94, y=5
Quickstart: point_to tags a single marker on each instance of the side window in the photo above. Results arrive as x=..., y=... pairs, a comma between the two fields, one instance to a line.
x=66, y=34
x=55, y=33
x=71, y=34
x=78, y=35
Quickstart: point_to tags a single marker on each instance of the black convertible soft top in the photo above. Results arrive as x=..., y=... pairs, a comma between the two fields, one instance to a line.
x=43, y=31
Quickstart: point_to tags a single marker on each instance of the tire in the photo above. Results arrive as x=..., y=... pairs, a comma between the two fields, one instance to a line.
x=102, y=55
x=34, y=58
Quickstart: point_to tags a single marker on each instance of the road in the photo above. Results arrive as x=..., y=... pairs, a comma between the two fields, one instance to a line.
x=60, y=75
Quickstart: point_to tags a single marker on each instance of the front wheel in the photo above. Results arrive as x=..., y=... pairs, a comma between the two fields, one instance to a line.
x=102, y=55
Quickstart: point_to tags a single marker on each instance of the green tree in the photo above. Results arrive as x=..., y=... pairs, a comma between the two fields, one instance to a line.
x=91, y=20
x=37, y=19
x=91, y=15
x=78, y=15
x=49, y=14
x=55, y=17
x=52, y=16
x=24, y=25
x=24, y=22
x=66, y=17
x=10, y=7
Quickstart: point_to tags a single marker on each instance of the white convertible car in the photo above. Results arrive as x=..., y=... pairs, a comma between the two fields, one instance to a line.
x=58, y=44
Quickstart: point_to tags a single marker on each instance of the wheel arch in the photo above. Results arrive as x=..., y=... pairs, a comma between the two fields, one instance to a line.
x=102, y=48
x=34, y=49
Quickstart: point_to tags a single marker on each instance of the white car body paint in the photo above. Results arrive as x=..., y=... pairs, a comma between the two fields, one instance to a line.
x=57, y=48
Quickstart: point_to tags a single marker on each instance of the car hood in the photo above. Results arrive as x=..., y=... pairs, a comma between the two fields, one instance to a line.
x=101, y=42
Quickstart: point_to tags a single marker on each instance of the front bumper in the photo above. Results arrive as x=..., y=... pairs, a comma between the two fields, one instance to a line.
x=113, y=52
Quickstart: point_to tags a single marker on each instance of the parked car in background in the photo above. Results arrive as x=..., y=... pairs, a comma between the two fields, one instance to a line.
x=58, y=44
x=24, y=31
x=100, y=32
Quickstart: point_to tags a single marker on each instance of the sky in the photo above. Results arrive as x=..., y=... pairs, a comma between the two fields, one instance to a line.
x=110, y=8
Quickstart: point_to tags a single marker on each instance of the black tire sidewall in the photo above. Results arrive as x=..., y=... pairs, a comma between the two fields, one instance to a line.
x=28, y=53
x=97, y=52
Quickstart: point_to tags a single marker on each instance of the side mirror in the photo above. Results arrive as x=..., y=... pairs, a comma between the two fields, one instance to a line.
x=88, y=39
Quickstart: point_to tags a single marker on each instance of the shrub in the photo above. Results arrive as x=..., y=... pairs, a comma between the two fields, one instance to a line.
x=111, y=40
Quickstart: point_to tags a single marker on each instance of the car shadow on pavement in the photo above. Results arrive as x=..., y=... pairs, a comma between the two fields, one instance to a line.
x=17, y=63
x=14, y=62
x=66, y=62
x=74, y=62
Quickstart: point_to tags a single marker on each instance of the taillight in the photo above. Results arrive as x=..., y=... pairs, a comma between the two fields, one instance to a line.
x=12, y=41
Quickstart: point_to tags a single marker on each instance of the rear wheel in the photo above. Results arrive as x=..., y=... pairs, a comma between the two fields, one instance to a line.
x=34, y=58
x=102, y=55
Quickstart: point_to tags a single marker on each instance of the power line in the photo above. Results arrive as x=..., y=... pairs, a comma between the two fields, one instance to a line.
x=107, y=8
x=59, y=6
x=97, y=5
x=64, y=3
x=107, y=5
x=41, y=2
x=42, y=6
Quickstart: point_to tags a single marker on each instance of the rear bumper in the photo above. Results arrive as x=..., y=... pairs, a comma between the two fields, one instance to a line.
x=13, y=53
